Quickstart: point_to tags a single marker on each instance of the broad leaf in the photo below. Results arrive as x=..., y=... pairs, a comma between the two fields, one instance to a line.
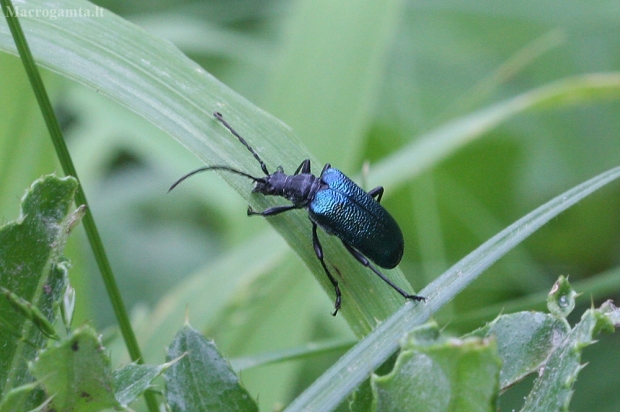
x=131, y=381
x=524, y=340
x=202, y=380
x=76, y=373
x=33, y=275
x=553, y=388
x=440, y=375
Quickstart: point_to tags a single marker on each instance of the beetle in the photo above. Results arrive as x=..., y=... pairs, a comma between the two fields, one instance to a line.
x=336, y=204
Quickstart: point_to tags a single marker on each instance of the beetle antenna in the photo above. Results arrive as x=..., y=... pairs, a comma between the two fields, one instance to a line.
x=219, y=117
x=204, y=169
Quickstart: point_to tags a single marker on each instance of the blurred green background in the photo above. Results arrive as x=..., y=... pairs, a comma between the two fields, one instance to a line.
x=437, y=61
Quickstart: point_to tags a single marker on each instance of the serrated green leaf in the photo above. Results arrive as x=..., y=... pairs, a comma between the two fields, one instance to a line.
x=202, y=380
x=613, y=316
x=561, y=298
x=131, y=381
x=76, y=372
x=524, y=342
x=442, y=375
x=552, y=389
x=32, y=267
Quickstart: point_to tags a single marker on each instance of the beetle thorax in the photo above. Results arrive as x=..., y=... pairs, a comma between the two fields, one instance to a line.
x=299, y=189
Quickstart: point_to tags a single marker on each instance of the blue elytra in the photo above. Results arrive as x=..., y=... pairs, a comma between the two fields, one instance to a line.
x=343, y=209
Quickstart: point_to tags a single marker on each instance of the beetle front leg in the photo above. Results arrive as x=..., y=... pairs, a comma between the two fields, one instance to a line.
x=376, y=193
x=304, y=167
x=362, y=259
x=272, y=211
x=327, y=166
x=318, y=250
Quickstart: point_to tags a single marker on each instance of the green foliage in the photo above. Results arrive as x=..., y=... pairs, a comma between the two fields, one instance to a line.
x=553, y=388
x=73, y=374
x=440, y=375
x=561, y=299
x=30, y=312
x=33, y=275
x=414, y=88
x=525, y=340
x=16, y=399
x=328, y=391
x=201, y=380
x=76, y=373
x=434, y=373
x=132, y=380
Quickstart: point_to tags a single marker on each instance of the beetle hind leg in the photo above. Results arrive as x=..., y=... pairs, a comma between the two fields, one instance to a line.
x=318, y=249
x=364, y=261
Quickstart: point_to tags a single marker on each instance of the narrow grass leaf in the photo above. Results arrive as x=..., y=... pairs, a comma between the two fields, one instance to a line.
x=298, y=353
x=356, y=42
x=431, y=148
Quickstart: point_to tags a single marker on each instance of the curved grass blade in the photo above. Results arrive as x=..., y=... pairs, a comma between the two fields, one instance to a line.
x=154, y=79
x=435, y=146
x=297, y=353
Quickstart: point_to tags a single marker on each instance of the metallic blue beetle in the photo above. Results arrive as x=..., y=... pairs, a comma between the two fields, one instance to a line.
x=336, y=204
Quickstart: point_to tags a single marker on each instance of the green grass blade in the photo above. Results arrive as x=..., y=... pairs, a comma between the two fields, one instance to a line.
x=67, y=164
x=297, y=353
x=333, y=386
x=435, y=146
x=333, y=49
x=154, y=79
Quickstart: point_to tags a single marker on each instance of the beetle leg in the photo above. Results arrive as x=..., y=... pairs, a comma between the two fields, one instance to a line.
x=377, y=193
x=327, y=166
x=318, y=249
x=362, y=259
x=304, y=167
x=276, y=210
